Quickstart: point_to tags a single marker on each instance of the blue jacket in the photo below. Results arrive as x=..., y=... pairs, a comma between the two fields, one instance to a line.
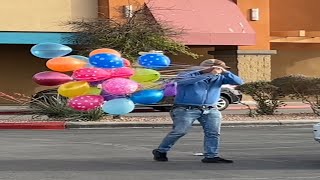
x=194, y=88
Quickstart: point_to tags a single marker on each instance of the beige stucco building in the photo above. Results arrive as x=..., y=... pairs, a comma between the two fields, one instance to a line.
x=286, y=35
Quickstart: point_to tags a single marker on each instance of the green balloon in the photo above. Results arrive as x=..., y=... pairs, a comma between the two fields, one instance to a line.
x=94, y=91
x=145, y=75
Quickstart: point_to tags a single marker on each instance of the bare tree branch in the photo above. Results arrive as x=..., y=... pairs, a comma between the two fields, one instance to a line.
x=141, y=32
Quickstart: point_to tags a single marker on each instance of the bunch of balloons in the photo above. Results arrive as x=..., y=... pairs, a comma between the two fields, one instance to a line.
x=103, y=80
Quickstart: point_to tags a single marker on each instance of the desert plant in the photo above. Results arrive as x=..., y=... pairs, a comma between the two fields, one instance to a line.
x=265, y=95
x=53, y=106
x=141, y=32
x=306, y=89
x=252, y=112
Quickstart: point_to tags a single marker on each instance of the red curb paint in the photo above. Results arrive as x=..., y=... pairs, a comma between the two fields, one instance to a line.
x=295, y=107
x=34, y=125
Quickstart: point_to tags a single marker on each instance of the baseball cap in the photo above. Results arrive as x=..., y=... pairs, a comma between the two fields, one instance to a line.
x=214, y=62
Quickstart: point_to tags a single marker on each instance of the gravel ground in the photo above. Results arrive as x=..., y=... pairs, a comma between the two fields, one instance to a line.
x=227, y=117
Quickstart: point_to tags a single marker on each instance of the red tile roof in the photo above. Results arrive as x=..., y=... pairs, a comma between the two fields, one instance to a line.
x=205, y=22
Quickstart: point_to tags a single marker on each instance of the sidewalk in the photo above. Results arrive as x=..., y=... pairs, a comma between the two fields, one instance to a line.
x=25, y=122
x=13, y=109
x=61, y=125
x=290, y=105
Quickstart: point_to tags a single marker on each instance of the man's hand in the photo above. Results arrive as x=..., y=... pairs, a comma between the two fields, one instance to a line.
x=206, y=70
x=218, y=70
x=214, y=70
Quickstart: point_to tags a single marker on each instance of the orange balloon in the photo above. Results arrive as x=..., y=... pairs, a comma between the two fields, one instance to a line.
x=104, y=50
x=65, y=64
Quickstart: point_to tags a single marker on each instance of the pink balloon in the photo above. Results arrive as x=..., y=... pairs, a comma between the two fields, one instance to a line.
x=91, y=74
x=50, y=78
x=86, y=102
x=124, y=72
x=119, y=86
x=126, y=62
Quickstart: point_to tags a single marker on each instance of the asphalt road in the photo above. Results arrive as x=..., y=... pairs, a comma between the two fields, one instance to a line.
x=260, y=153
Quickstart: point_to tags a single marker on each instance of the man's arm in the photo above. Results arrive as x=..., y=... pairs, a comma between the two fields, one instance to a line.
x=230, y=78
x=191, y=77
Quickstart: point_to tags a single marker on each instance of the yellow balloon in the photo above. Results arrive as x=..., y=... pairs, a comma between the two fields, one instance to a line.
x=145, y=75
x=151, y=85
x=94, y=91
x=73, y=89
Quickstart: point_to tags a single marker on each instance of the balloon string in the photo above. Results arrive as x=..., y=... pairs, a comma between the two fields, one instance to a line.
x=171, y=65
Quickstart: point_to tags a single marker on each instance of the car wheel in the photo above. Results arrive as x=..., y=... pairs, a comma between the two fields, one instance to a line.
x=162, y=108
x=223, y=103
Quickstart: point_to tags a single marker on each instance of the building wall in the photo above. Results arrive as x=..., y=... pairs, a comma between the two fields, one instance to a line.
x=17, y=68
x=201, y=50
x=262, y=27
x=295, y=59
x=40, y=15
x=258, y=67
x=286, y=15
x=117, y=7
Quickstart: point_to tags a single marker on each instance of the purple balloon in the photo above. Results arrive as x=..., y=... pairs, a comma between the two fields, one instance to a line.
x=50, y=78
x=108, y=97
x=95, y=83
x=170, y=89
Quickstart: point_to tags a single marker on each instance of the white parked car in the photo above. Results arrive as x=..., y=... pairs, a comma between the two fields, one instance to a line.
x=316, y=132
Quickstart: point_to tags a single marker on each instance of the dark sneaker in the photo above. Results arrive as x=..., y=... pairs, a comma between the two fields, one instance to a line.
x=216, y=160
x=159, y=156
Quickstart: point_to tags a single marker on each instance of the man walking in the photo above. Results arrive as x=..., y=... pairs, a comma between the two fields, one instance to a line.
x=197, y=95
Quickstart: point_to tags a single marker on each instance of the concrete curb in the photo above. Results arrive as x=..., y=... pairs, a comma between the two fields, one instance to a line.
x=88, y=125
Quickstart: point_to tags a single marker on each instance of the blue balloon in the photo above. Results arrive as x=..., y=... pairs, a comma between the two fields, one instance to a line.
x=154, y=61
x=106, y=61
x=149, y=96
x=118, y=106
x=50, y=50
x=82, y=58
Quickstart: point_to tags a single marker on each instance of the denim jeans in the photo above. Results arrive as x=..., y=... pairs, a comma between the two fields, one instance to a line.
x=183, y=118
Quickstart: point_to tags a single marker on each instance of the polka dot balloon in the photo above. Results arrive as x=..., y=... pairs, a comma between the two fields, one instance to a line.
x=124, y=72
x=91, y=74
x=154, y=61
x=119, y=86
x=86, y=103
x=106, y=61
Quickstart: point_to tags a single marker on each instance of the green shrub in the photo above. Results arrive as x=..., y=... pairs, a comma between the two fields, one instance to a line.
x=306, y=89
x=56, y=107
x=50, y=104
x=266, y=96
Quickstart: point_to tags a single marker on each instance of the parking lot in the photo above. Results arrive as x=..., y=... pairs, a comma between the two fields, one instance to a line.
x=118, y=154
